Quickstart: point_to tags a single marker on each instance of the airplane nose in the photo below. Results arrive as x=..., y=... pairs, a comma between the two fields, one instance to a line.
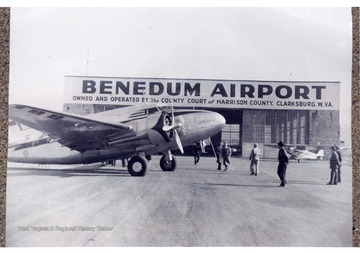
x=219, y=121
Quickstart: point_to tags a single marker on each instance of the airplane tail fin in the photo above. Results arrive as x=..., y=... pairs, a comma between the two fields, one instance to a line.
x=320, y=153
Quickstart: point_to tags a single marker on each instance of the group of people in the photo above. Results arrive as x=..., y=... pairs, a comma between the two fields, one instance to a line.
x=335, y=164
x=283, y=158
x=223, y=153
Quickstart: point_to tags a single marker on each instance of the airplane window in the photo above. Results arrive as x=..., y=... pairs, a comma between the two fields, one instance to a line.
x=164, y=108
x=167, y=121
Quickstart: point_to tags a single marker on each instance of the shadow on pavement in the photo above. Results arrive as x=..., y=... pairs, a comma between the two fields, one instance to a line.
x=80, y=172
x=236, y=185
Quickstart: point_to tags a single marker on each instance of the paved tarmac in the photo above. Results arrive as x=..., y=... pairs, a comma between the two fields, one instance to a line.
x=192, y=206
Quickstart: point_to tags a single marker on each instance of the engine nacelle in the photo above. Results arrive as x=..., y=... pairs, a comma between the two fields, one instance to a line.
x=155, y=131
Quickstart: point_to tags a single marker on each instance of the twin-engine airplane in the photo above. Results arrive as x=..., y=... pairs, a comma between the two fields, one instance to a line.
x=130, y=132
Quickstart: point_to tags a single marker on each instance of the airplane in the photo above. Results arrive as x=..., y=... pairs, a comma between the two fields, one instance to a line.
x=130, y=132
x=295, y=153
x=298, y=154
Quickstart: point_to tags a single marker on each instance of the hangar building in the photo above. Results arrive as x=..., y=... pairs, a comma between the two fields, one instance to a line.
x=302, y=113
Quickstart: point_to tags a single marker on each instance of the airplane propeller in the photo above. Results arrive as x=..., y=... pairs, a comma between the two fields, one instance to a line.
x=178, y=142
x=173, y=128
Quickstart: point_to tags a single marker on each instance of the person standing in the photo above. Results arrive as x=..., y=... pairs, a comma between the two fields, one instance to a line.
x=339, y=166
x=283, y=159
x=196, y=152
x=226, y=153
x=334, y=163
x=218, y=153
x=254, y=158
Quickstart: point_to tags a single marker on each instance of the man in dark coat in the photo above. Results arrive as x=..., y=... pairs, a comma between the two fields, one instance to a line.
x=339, y=166
x=283, y=159
x=196, y=152
x=334, y=163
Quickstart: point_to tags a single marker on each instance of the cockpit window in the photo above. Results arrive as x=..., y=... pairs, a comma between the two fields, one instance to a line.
x=159, y=108
x=164, y=108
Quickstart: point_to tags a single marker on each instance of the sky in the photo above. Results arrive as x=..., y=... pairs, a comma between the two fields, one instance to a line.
x=276, y=44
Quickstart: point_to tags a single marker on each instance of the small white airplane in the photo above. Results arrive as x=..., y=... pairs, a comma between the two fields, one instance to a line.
x=130, y=132
x=297, y=154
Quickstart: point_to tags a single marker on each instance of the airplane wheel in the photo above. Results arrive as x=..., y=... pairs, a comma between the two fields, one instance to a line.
x=167, y=166
x=138, y=166
x=299, y=161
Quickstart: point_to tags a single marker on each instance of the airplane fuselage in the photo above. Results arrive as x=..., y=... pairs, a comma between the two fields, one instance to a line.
x=148, y=137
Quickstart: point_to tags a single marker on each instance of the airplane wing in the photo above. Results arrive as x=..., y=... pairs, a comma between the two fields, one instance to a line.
x=76, y=132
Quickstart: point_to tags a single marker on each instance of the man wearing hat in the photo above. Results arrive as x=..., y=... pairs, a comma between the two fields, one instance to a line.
x=283, y=159
x=340, y=160
x=334, y=163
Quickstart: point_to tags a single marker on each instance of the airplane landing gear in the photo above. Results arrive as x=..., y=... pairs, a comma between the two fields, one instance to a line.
x=138, y=166
x=168, y=162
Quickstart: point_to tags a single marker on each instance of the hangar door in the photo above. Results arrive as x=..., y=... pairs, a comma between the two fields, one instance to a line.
x=271, y=126
x=232, y=132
